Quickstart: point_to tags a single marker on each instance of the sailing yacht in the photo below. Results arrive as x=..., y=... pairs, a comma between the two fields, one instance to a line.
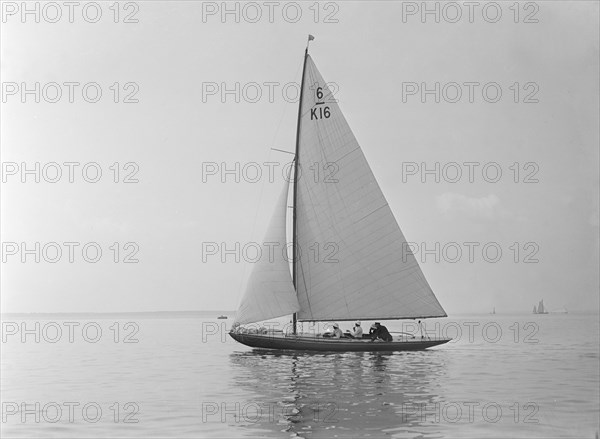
x=541, y=309
x=372, y=277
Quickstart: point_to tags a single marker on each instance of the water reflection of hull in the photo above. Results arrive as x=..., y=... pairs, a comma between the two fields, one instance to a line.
x=345, y=395
x=311, y=343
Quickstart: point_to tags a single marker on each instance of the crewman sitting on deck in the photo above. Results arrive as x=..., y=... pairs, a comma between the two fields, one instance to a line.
x=357, y=331
x=380, y=332
x=337, y=332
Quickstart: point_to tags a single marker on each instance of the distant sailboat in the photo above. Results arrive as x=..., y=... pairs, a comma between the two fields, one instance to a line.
x=493, y=311
x=373, y=276
x=534, y=309
x=540, y=308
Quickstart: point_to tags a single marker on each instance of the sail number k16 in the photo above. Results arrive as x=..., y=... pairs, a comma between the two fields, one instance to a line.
x=318, y=113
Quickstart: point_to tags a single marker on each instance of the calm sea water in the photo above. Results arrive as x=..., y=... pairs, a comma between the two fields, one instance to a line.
x=178, y=375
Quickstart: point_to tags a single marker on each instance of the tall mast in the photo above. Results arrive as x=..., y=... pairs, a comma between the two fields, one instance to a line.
x=294, y=262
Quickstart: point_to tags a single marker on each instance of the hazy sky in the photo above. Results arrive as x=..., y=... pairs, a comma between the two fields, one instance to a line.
x=177, y=59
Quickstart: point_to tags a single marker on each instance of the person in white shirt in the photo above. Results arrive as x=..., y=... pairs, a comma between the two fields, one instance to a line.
x=357, y=331
x=337, y=332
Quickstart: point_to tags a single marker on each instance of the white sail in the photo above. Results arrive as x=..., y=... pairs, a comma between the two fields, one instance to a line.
x=354, y=262
x=269, y=291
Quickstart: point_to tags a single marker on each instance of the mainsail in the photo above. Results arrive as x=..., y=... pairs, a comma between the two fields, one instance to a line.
x=352, y=258
x=269, y=291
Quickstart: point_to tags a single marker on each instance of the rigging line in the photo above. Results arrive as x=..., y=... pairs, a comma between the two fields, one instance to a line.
x=281, y=150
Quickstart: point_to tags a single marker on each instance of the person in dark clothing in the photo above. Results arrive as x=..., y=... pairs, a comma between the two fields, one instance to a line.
x=372, y=329
x=378, y=331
